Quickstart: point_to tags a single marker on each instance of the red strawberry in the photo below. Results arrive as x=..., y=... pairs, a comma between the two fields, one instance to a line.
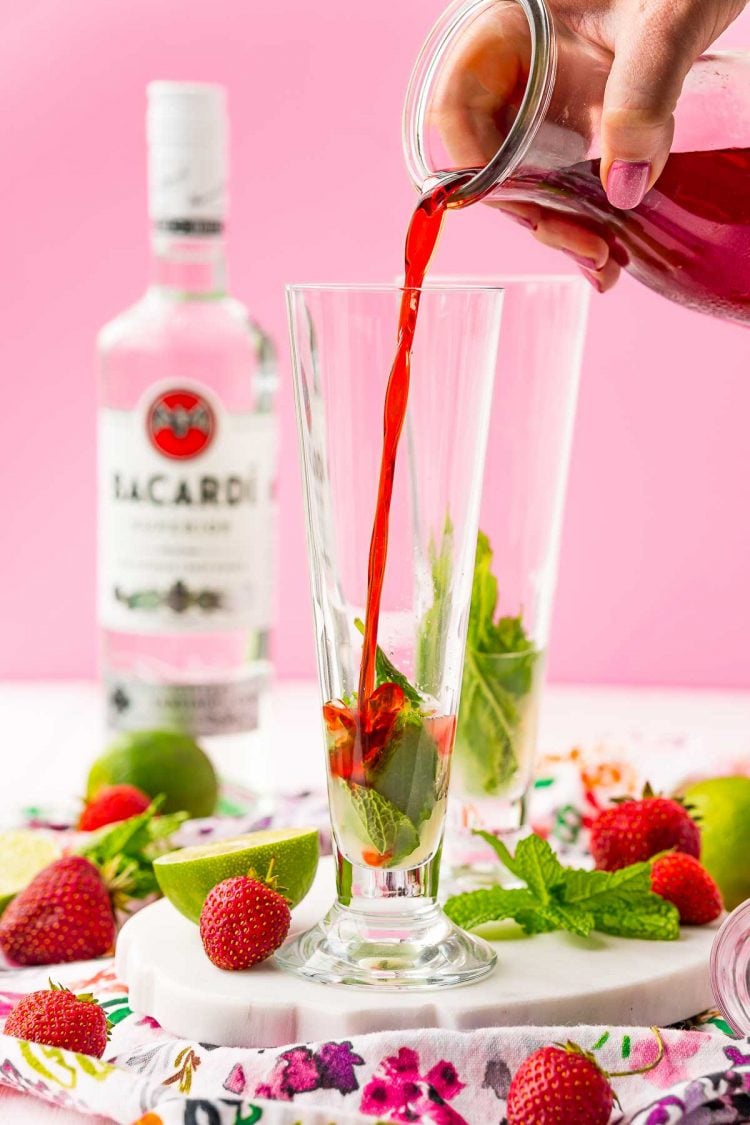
x=681, y=879
x=243, y=920
x=64, y=914
x=59, y=1019
x=559, y=1086
x=634, y=831
x=111, y=804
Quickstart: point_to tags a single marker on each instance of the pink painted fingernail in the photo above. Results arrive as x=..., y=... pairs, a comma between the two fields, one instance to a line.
x=627, y=182
x=521, y=220
x=581, y=260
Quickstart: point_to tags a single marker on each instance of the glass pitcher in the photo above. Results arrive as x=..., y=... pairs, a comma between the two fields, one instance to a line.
x=506, y=88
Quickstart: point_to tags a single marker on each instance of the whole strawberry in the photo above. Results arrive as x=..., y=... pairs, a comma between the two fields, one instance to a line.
x=681, y=879
x=243, y=921
x=59, y=1019
x=559, y=1086
x=64, y=914
x=112, y=804
x=634, y=831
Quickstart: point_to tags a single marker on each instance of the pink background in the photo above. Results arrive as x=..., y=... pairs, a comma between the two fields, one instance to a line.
x=654, y=573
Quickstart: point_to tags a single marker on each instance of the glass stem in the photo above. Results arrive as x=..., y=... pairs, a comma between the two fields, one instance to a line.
x=359, y=887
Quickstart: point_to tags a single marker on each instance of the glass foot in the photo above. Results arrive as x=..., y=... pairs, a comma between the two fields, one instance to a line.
x=388, y=949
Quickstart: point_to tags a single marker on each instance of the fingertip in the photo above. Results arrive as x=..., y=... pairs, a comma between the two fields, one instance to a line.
x=593, y=280
x=603, y=279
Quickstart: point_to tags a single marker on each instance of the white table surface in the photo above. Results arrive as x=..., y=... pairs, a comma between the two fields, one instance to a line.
x=50, y=733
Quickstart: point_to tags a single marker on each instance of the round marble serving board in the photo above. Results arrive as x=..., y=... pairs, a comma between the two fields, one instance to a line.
x=546, y=979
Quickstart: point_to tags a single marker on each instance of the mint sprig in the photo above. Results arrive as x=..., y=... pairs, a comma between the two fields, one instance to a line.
x=498, y=676
x=567, y=898
x=125, y=851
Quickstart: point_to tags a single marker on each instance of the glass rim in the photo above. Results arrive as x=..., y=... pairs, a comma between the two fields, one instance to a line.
x=390, y=287
x=501, y=279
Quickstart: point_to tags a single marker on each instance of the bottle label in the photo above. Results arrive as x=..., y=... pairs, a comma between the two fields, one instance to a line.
x=230, y=707
x=186, y=514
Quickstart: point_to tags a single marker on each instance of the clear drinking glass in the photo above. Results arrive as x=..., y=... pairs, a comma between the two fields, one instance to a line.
x=730, y=968
x=510, y=89
x=531, y=429
x=389, y=763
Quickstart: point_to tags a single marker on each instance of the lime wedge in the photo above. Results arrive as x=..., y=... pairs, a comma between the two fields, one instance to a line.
x=23, y=854
x=186, y=876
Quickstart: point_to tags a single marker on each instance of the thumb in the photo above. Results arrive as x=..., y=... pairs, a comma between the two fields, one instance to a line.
x=654, y=50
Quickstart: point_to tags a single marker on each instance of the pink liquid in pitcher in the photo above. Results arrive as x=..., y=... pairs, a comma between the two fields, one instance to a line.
x=689, y=239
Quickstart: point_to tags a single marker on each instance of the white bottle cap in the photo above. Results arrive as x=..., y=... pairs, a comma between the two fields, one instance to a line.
x=187, y=131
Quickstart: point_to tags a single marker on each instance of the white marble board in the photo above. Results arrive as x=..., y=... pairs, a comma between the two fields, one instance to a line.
x=547, y=979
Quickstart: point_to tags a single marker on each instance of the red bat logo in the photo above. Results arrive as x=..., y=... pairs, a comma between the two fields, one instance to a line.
x=181, y=424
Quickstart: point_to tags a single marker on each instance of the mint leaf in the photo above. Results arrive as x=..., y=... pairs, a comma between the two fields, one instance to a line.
x=484, y=598
x=563, y=898
x=406, y=774
x=389, y=831
x=487, y=719
x=496, y=904
x=500, y=850
x=436, y=621
x=126, y=837
x=651, y=919
x=534, y=863
x=491, y=904
x=499, y=672
x=388, y=673
x=538, y=866
x=590, y=888
x=571, y=918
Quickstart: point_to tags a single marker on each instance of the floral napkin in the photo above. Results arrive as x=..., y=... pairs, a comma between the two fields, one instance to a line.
x=424, y=1077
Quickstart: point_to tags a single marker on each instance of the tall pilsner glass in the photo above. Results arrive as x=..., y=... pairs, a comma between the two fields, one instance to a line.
x=388, y=762
x=531, y=429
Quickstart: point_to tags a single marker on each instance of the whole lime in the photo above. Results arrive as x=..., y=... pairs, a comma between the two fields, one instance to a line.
x=721, y=805
x=159, y=761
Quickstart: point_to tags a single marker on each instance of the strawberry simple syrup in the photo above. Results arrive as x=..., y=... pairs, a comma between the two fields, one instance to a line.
x=689, y=239
x=421, y=238
x=359, y=739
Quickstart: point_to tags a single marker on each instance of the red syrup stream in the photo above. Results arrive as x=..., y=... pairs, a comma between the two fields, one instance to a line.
x=421, y=238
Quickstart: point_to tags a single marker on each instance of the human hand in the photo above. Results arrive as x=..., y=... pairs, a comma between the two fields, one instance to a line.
x=648, y=46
